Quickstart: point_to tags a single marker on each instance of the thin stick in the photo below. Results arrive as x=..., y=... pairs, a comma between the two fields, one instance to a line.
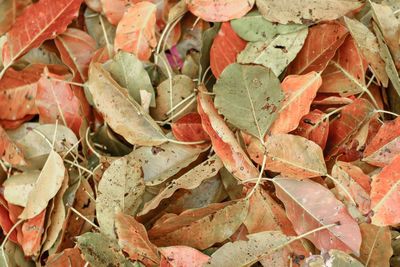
x=187, y=143
x=179, y=112
x=256, y=179
x=89, y=145
x=341, y=186
x=180, y=103
x=69, y=82
x=386, y=112
x=83, y=217
x=79, y=166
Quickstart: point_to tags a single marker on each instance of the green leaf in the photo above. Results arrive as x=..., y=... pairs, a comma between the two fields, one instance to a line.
x=253, y=27
x=99, y=28
x=276, y=53
x=99, y=250
x=129, y=72
x=120, y=189
x=248, y=97
x=246, y=253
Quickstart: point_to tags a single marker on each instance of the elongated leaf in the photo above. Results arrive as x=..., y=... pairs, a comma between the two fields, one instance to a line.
x=39, y=22
x=46, y=187
x=223, y=140
x=248, y=97
x=290, y=155
x=183, y=256
x=368, y=45
x=100, y=250
x=356, y=183
x=376, y=248
x=384, y=146
x=319, y=48
x=245, y=253
x=218, y=11
x=189, y=180
x=129, y=72
x=160, y=163
x=309, y=205
x=253, y=27
x=55, y=100
x=136, y=30
x=385, y=195
x=346, y=72
x=32, y=231
x=9, y=151
x=275, y=54
x=132, y=238
x=300, y=91
x=113, y=101
x=226, y=46
x=120, y=189
x=341, y=130
x=200, y=228
x=76, y=49
x=315, y=127
x=300, y=11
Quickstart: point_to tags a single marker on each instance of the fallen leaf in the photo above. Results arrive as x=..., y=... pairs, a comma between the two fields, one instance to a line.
x=221, y=10
x=309, y=205
x=113, y=10
x=32, y=231
x=189, y=128
x=136, y=30
x=180, y=256
x=10, y=10
x=18, y=187
x=9, y=151
x=68, y=257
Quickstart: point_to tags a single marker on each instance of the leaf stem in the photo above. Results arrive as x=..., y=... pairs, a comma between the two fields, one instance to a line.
x=186, y=143
x=342, y=187
x=83, y=217
x=259, y=177
x=386, y=112
x=179, y=112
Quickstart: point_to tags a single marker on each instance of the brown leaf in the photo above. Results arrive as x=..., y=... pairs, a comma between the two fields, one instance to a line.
x=189, y=128
x=68, y=257
x=180, y=256
x=9, y=151
x=32, y=231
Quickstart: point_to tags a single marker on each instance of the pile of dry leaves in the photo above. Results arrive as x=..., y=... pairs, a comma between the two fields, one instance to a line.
x=200, y=133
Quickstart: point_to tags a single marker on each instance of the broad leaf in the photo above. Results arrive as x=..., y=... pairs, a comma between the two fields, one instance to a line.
x=113, y=10
x=200, y=228
x=46, y=187
x=129, y=72
x=290, y=155
x=223, y=140
x=218, y=11
x=275, y=54
x=309, y=205
x=39, y=22
x=115, y=105
x=248, y=97
x=183, y=256
x=385, y=195
x=132, y=238
x=189, y=128
x=368, y=45
x=254, y=27
x=69, y=256
x=376, y=248
x=100, y=29
x=319, y=48
x=136, y=30
x=300, y=91
x=246, y=253
x=18, y=187
x=300, y=11
x=9, y=151
x=120, y=189
x=188, y=181
x=10, y=9
x=225, y=48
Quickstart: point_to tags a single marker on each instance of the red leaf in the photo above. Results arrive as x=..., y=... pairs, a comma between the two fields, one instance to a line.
x=76, y=49
x=221, y=10
x=319, y=48
x=32, y=231
x=385, y=195
x=182, y=256
x=346, y=72
x=14, y=124
x=9, y=151
x=55, y=100
x=310, y=205
x=136, y=30
x=300, y=90
x=315, y=127
x=224, y=142
x=70, y=257
x=385, y=145
x=346, y=126
x=39, y=22
x=5, y=222
x=113, y=10
x=225, y=48
x=189, y=128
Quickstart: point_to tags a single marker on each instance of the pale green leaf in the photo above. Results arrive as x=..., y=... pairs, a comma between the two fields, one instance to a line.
x=99, y=28
x=276, y=53
x=18, y=187
x=248, y=97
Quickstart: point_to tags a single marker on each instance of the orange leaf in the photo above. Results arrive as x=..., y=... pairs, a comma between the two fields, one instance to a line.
x=9, y=151
x=315, y=127
x=221, y=10
x=39, y=22
x=136, y=30
x=113, y=10
x=223, y=140
x=70, y=257
x=300, y=91
x=319, y=48
x=32, y=231
x=189, y=128
x=385, y=195
x=225, y=48
x=182, y=256
x=5, y=222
